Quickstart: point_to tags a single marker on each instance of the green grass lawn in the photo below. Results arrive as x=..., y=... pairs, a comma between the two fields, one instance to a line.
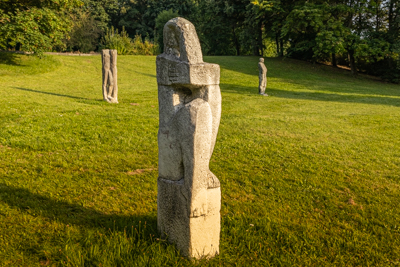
x=310, y=175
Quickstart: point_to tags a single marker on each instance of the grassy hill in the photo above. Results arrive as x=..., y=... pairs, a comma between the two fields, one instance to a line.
x=310, y=175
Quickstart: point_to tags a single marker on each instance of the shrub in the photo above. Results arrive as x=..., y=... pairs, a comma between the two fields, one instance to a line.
x=126, y=46
x=119, y=41
x=144, y=48
x=85, y=34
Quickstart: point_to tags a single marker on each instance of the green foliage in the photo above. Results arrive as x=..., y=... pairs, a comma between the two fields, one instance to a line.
x=273, y=15
x=85, y=33
x=396, y=50
x=13, y=64
x=125, y=46
x=389, y=68
x=115, y=40
x=146, y=47
x=161, y=19
x=372, y=49
x=251, y=34
x=269, y=48
x=361, y=30
x=214, y=29
x=229, y=28
x=133, y=15
x=310, y=175
x=314, y=32
x=35, y=26
x=101, y=11
x=138, y=17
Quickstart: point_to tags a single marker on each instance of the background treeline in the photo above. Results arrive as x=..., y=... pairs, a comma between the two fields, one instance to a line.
x=362, y=34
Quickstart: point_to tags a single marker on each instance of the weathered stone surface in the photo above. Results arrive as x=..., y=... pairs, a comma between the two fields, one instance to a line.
x=189, y=194
x=110, y=86
x=262, y=76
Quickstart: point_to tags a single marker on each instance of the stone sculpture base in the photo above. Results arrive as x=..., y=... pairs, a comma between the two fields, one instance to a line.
x=195, y=237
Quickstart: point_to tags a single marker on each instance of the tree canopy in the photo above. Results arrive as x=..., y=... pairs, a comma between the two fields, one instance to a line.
x=35, y=25
x=363, y=34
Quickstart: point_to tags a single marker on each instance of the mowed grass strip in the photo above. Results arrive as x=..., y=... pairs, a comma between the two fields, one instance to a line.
x=310, y=174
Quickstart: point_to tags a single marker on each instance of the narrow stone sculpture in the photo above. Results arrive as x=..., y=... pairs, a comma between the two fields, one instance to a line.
x=110, y=86
x=262, y=76
x=189, y=194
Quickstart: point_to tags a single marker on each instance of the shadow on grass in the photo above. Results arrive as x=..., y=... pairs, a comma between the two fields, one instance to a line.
x=87, y=100
x=71, y=214
x=9, y=59
x=243, y=64
x=281, y=67
x=317, y=96
x=317, y=76
x=146, y=74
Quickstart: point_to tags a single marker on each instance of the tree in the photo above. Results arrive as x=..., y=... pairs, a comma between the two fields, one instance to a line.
x=85, y=33
x=318, y=30
x=101, y=11
x=391, y=64
x=214, y=31
x=161, y=20
x=139, y=16
x=35, y=25
x=360, y=38
x=229, y=27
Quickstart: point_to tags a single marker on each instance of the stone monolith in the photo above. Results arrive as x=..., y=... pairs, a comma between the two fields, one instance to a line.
x=262, y=76
x=189, y=194
x=110, y=86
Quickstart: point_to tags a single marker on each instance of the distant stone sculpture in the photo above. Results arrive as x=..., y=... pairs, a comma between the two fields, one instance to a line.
x=262, y=76
x=110, y=86
x=189, y=194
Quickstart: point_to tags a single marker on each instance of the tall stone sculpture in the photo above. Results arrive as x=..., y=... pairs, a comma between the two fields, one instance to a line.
x=262, y=76
x=189, y=194
x=110, y=86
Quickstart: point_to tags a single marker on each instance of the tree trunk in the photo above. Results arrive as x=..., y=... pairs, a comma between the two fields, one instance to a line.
x=334, y=63
x=352, y=62
x=260, y=40
x=391, y=16
x=237, y=45
x=277, y=44
x=256, y=48
x=378, y=25
x=389, y=62
x=281, y=45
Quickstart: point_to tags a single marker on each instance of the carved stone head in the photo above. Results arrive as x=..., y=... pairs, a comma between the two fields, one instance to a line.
x=181, y=41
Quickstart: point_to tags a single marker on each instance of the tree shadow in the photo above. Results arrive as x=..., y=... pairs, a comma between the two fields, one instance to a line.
x=69, y=213
x=282, y=65
x=247, y=64
x=317, y=96
x=86, y=100
x=315, y=76
x=9, y=59
x=146, y=74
